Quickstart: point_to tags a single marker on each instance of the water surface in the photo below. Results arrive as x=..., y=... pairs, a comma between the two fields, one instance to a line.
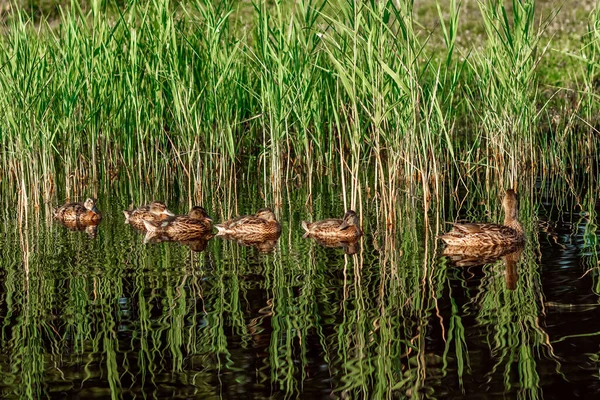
x=103, y=314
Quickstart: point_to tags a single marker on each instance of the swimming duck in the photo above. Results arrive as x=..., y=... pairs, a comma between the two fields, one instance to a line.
x=347, y=228
x=486, y=235
x=85, y=212
x=261, y=223
x=153, y=212
x=197, y=222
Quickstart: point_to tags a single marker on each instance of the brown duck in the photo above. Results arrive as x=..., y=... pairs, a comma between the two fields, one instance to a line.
x=153, y=212
x=486, y=235
x=197, y=222
x=345, y=229
x=263, y=223
x=85, y=212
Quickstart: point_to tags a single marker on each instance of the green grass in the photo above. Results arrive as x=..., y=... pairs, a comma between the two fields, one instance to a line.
x=395, y=111
x=190, y=96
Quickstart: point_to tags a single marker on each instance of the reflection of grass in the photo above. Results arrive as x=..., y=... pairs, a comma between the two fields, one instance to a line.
x=514, y=341
x=392, y=320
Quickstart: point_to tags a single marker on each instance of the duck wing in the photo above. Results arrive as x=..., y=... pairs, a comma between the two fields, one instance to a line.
x=245, y=220
x=331, y=223
x=479, y=235
x=69, y=208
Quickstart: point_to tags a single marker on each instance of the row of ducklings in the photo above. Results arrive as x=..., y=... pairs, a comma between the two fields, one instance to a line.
x=155, y=217
x=158, y=219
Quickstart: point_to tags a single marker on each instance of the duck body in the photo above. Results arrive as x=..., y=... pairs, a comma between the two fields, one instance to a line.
x=196, y=223
x=483, y=235
x=490, y=235
x=263, y=223
x=156, y=211
x=85, y=212
x=334, y=229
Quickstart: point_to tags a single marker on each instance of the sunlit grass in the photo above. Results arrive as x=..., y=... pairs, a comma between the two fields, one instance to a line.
x=351, y=101
x=187, y=97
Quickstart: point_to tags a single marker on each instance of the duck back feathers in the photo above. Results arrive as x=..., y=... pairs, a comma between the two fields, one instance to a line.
x=81, y=212
x=153, y=212
x=197, y=222
x=263, y=222
x=486, y=235
x=346, y=228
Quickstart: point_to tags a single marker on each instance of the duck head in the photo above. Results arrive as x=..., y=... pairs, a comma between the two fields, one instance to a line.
x=266, y=214
x=198, y=212
x=350, y=218
x=160, y=208
x=90, y=204
x=510, y=203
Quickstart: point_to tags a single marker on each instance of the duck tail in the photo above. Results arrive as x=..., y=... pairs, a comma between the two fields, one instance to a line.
x=149, y=236
x=305, y=226
x=127, y=214
x=150, y=227
x=447, y=239
x=221, y=230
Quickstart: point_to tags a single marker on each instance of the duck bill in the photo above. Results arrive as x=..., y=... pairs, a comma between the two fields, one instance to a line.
x=95, y=210
x=168, y=213
x=344, y=225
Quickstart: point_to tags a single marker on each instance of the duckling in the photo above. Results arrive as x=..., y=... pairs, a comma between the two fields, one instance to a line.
x=197, y=222
x=85, y=212
x=153, y=212
x=261, y=223
x=485, y=235
x=347, y=228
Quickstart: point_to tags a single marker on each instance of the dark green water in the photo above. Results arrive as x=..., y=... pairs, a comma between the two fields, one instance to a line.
x=110, y=316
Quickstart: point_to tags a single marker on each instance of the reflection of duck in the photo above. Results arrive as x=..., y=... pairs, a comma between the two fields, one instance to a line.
x=261, y=335
x=486, y=235
x=263, y=223
x=153, y=212
x=510, y=268
x=466, y=256
x=264, y=242
x=195, y=242
x=347, y=228
x=350, y=246
x=85, y=212
x=91, y=228
x=197, y=222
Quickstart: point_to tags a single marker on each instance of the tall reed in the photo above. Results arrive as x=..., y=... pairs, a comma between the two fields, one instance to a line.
x=187, y=96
